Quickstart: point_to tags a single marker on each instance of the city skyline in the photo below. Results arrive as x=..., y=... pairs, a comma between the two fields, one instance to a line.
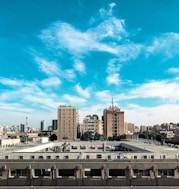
x=83, y=53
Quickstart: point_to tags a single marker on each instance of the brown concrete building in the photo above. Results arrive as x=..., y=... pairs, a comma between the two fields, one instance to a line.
x=113, y=119
x=67, y=122
x=93, y=124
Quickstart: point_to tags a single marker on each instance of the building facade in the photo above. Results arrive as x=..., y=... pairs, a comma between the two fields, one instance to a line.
x=93, y=124
x=113, y=120
x=54, y=124
x=129, y=128
x=67, y=122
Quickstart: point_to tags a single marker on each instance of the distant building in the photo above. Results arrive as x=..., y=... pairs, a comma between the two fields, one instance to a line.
x=42, y=125
x=143, y=128
x=113, y=119
x=129, y=128
x=68, y=121
x=22, y=128
x=93, y=124
x=136, y=129
x=54, y=124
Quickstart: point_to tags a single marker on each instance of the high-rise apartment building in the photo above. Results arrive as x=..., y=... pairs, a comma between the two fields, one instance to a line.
x=67, y=122
x=93, y=124
x=113, y=120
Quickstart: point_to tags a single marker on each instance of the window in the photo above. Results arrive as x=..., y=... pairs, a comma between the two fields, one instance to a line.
x=6, y=157
x=18, y=173
x=166, y=172
x=74, y=147
x=32, y=157
x=20, y=157
x=41, y=157
x=152, y=156
x=66, y=172
x=98, y=156
x=57, y=157
x=83, y=147
x=1, y=172
x=66, y=157
x=87, y=157
x=141, y=172
x=117, y=172
x=21, y=172
x=162, y=156
x=48, y=157
x=42, y=172
x=92, y=172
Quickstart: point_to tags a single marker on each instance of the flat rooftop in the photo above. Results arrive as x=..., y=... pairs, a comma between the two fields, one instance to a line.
x=129, y=149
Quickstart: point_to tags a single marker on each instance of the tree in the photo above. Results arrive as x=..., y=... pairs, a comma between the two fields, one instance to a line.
x=53, y=137
x=87, y=136
x=64, y=147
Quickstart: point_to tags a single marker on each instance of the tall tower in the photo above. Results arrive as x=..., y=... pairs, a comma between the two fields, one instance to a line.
x=42, y=125
x=113, y=119
x=67, y=122
x=26, y=124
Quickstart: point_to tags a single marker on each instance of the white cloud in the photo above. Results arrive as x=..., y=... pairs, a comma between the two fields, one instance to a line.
x=10, y=82
x=113, y=79
x=110, y=28
x=73, y=99
x=51, y=68
x=104, y=95
x=94, y=109
x=165, y=90
x=64, y=36
x=113, y=69
x=48, y=67
x=69, y=74
x=51, y=82
x=83, y=92
x=129, y=51
x=36, y=101
x=166, y=44
x=28, y=92
x=80, y=67
x=173, y=70
x=139, y=115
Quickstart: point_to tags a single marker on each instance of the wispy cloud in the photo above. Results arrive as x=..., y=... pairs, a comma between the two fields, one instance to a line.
x=80, y=66
x=72, y=99
x=113, y=69
x=167, y=44
x=173, y=70
x=165, y=90
x=104, y=95
x=48, y=67
x=151, y=115
x=32, y=92
x=10, y=82
x=64, y=36
x=51, y=82
x=83, y=92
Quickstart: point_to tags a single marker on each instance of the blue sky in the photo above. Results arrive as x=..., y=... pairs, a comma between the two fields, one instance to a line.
x=84, y=53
